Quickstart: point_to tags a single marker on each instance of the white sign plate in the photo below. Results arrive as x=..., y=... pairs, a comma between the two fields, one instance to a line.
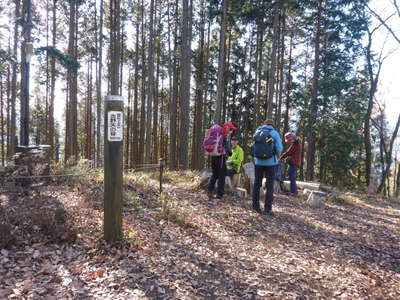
x=115, y=126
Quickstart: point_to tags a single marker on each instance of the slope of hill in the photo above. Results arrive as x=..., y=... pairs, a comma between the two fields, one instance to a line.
x=183, y=246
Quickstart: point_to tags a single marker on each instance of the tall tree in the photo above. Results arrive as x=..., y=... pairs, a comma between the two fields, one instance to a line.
x=274, y=58
x=314, y=94
x=184, y=95
x=12, y=144
x=51, y=129
x=25, y=70
x=115, y=46
x=373, y=77
x=150, y=86
x=135, y=124
x=99, y=74
x=174, y=96
x=71, y=136
x=221, y=63
x=197, y=155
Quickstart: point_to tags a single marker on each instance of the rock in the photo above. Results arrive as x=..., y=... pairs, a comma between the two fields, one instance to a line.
x=316, y=199
x=205, y=177
x=85, y=163
x=249, y=177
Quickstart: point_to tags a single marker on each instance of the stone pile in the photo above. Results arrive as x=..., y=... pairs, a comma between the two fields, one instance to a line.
x=28, y=161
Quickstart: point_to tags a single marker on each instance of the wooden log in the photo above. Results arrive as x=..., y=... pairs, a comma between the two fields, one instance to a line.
x=242, y=193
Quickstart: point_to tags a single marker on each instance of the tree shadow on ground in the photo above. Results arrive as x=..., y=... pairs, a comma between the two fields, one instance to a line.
x=290, y=224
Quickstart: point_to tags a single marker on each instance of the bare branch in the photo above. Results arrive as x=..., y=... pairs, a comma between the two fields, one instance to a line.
x=380, y=24
x=397, y=7
x=384, y=24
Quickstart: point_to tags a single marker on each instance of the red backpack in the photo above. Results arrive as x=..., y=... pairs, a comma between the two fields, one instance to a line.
x=213, y=142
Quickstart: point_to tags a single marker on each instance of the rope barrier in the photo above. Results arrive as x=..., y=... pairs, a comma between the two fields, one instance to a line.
x=45, y=176
x=145, y=168
x=143, y=165
x=139, y=167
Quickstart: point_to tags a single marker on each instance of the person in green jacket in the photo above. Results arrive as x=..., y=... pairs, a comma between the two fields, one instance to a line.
x=234, y=162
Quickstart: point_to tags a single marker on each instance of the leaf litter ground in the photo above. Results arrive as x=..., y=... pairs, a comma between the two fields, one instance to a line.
x=180, y=245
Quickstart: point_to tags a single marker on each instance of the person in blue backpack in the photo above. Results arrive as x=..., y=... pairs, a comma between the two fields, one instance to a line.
x=218, y=145
x=266, y=150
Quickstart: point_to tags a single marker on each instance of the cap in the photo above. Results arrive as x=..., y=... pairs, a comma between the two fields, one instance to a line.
x=230, y=125
x=234, y=138
x=290, y=136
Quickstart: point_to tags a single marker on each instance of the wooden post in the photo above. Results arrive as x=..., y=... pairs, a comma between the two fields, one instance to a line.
x=113, y=167
x=161, y=173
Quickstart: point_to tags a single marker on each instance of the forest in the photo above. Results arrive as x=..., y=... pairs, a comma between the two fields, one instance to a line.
x=310, y=65
x=314, y=67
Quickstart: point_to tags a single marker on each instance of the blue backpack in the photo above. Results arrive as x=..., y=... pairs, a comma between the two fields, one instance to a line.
x=264, y=146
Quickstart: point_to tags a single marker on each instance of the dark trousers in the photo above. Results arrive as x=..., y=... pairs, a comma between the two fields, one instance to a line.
x=269, y=172
x=218, y=165
x=292, y=177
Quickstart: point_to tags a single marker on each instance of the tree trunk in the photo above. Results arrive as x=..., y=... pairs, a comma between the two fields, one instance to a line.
x=53, y=83
x=25, y=74
x=128, y=149
x=174, y=99
x=143, y=91
x=156, y=143
x=197, y=152
x=99, y=46
x=11, y=146
x=115, y=46
x=314, y=94
x=388, y=157
x=280, y=68
x=135, y=144
x=150, y=87
x=221, y=64
x=184, y=95
x=272, y=70
x=373, y=82
x=259, y=66
x=2, y=149
x=397, y=190
x=288, y=87
x=71, y=145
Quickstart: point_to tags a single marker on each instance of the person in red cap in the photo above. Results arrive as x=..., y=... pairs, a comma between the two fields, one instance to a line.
x=292, y=156
x=218, y=161
x=229, y=126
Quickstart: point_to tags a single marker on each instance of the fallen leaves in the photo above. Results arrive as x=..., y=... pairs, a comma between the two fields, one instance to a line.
x=346, y=251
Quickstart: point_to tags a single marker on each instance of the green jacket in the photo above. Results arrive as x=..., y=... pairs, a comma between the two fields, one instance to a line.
x=236, y=158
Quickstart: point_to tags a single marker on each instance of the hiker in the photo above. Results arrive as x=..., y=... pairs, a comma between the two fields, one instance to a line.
x=234, y=162
x=266, y=149
x=292, y=157
x=218, y=146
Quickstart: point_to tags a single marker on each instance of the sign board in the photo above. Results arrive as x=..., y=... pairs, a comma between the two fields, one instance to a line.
x=115, y=126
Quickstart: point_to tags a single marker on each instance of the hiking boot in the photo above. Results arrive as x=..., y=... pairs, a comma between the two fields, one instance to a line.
x=257, y=210
x=268, y=213
x=210, y=195
x=219, y=197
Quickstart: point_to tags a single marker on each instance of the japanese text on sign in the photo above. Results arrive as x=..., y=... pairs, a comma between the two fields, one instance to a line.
x=115, y=126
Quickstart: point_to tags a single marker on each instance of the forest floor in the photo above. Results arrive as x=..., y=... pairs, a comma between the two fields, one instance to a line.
x=183, y=246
